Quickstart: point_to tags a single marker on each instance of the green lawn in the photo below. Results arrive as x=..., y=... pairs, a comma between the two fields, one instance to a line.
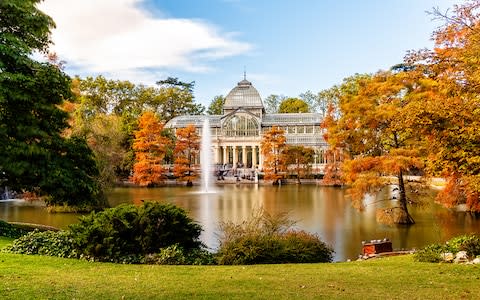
x=37, y=277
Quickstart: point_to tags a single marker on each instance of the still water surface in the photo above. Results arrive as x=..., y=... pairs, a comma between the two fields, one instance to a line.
x=322, y=210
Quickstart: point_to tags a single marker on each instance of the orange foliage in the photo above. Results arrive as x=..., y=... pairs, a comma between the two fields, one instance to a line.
x=150, y=148
x=186, y=151
x=273, y=146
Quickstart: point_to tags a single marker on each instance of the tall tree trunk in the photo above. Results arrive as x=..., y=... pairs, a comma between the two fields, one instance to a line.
x=404, y=217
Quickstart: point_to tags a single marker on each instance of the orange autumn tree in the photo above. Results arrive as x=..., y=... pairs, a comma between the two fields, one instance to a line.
x=150, y=148
x=299, y=158
x=273, y=147
x=380, y=149
x=187, y=149
x=446, y=111
x=333, y=156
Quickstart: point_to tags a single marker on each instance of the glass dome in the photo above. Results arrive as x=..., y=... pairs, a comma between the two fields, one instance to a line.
x=243, y=95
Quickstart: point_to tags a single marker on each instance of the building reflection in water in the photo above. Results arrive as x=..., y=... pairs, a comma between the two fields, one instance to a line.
x=321, y=210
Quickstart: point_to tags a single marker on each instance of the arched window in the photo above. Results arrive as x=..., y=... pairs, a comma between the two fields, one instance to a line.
x=240, y=125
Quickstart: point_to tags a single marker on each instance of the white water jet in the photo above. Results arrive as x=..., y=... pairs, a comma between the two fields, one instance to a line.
x=206, y=158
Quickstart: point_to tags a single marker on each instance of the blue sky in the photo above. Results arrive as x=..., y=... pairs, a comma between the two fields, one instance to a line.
x=287, y=47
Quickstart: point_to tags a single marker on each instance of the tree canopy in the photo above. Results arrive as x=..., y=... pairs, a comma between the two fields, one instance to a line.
x=216, y=106
x=293, y=105
x=186, y=151
x=150, y=148
x=272, y=146
x=35, y=154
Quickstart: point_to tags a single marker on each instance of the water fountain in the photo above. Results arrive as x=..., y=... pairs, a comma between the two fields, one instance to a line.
x=206, y=158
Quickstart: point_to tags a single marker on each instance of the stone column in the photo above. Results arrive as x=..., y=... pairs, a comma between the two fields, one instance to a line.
x=224, y=158
x=235, y=156
x=254, y=156
x=244, y=156
x=216, y=160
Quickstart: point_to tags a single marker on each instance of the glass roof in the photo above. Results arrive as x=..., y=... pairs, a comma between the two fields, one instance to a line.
x=243, y=95
x=292, y=119
x=196, y=120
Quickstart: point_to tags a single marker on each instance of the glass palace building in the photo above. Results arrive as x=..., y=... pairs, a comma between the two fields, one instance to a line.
x=237, y=133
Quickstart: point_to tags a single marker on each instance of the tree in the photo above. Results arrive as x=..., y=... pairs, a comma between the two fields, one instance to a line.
x=333, y=156
x=216, y=106
x=272, y=103
x=378, y=143
x=273, y=145
x=447, y=99
x=300, y=158
x=177, y=99
x=293, y=105
x=186, y=151
x=311, y=99
x=150, y=148
x=35, y=154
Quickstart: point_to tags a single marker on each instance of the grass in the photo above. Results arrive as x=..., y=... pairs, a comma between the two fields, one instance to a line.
x=38, y=277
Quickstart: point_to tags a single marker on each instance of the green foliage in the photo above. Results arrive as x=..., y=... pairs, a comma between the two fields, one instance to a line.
x=272, y=103
x=35, y=155
x=176, y=255
x=216, y=106
x=51, y=243
x=433, y=253
x=8, y=230
x=293, y=105
x=468, y=243
x=116, y=233
x=266, y=239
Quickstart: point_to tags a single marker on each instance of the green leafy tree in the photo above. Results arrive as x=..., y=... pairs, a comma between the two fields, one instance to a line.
x=272, y=103
x=35, y=155
x=176, y=99
x=216, y=106
x=293, y=105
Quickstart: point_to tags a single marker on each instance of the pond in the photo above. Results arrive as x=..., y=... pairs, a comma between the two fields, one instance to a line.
x=322, y=210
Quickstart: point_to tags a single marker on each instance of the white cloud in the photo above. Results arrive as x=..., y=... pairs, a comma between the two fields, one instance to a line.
x=117, y=36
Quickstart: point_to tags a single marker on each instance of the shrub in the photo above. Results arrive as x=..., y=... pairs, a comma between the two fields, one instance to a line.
x=269, y=239
x=51, y=243
x=433, y=253
x=176, y=255
x=430, y=253
x=126, y=233
x=8, y=230
x=469, y=243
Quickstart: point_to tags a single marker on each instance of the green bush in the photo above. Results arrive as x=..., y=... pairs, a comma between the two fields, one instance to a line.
x=430, y=253
x=469, y=243
x=51, y=243
x=8, y=230
x=126, y=233
x=176, y=255
x=265, y=239
x=433, y=253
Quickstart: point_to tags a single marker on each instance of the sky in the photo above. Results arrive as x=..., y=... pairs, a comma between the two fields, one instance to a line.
x=285, y=47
